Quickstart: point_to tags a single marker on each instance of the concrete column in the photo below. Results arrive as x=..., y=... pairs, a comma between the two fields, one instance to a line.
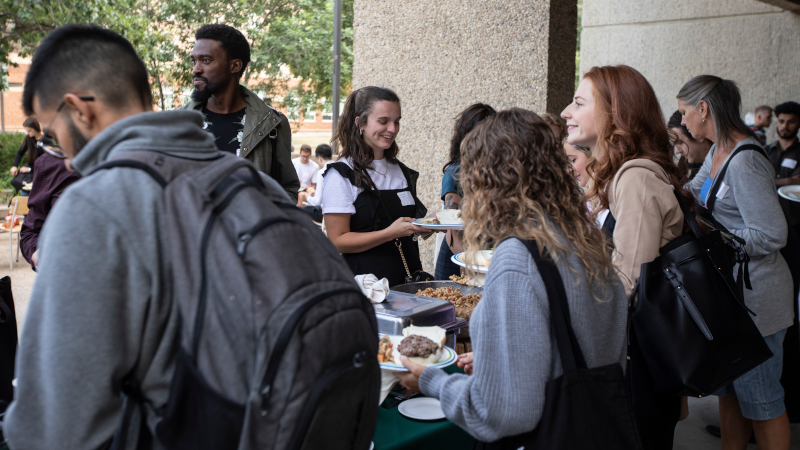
x=748, y=41
x=444, y=55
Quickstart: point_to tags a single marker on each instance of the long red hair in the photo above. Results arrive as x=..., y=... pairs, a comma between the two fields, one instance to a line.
x=630, y=125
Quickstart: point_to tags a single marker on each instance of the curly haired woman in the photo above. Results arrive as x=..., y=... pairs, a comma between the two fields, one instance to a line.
x=518, y=187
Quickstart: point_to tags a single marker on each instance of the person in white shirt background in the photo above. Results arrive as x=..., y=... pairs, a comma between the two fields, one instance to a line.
x=306, y=172
x=324, y=155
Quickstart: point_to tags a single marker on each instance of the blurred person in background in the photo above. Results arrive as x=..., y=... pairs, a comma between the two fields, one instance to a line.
x=579, y=157
x=452, y=195
x=693, y=151
x=557, y=125
x=50, y=179
x=747, y=206
x=784, y=155
x=761, y=121
x=324, y=155
x=306, y=173
x=30, y=146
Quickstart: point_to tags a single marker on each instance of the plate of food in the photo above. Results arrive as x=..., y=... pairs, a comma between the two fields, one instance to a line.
x=484, y=257
x=791, y=192
x=449, y=219
x=423, y=345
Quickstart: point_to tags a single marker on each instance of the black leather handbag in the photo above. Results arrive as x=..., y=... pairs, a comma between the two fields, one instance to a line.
x=8, y=343
x=691, y=323
x=585, y=408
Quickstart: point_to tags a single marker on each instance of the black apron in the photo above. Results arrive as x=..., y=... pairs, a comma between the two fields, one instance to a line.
x=375, y=211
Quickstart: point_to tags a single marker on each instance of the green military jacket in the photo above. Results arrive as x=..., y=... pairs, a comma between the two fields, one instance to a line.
x=264, y=130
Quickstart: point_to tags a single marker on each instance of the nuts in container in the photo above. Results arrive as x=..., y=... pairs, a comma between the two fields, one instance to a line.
x=453, y=295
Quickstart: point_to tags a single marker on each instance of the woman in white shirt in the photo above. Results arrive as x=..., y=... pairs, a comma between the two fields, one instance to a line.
x=370, y=197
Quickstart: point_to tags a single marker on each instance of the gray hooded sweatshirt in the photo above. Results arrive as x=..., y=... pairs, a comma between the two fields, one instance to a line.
x=101, y=309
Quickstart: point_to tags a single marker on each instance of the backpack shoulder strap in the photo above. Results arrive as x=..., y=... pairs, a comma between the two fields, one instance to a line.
x=712, y=193
x=569, y=349
x=161, y=167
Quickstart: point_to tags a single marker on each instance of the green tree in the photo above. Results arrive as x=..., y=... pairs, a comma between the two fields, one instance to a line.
x=289, y=38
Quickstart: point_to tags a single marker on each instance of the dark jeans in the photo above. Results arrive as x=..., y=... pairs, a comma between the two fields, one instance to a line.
x=444, y=265
x=656, y=415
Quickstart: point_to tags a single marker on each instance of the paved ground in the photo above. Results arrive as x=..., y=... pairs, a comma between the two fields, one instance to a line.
x=689, y=435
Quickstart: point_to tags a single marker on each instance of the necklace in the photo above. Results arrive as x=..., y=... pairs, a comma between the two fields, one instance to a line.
x=716, y=162
x=384, y=172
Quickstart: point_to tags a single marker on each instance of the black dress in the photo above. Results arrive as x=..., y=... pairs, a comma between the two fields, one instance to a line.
x=375, y=211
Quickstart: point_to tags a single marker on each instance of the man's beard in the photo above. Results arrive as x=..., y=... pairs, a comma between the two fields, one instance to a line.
x=202, y=95
x=787, y=136
x=78, y=141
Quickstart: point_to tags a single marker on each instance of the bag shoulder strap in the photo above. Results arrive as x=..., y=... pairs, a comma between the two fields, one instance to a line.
x=688, y=216
x=569, y=349
x=711, y=198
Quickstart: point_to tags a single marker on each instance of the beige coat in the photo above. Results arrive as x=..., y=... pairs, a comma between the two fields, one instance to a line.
x=647, y=213
x=648, y=217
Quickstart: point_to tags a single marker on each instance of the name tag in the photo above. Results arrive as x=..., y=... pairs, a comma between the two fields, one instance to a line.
x=789, y=163
x=723, y=189
x=406, y=199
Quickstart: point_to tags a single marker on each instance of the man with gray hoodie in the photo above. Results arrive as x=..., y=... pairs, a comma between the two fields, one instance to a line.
x=100, y=313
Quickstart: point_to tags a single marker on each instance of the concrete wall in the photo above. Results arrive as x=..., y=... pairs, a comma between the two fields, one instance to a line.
x=445, y=55
x=751, y=42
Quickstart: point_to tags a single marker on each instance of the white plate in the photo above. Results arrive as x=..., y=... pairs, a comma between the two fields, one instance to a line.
x=423, y=408
x=448, y=358
x=459, y=260
x=439, y=226
x=791, y=193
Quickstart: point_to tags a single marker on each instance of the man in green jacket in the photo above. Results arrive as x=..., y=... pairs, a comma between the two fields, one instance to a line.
x=240, y=121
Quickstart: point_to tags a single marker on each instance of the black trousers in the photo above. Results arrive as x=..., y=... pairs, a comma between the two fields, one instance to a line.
x=656, y=415
x=790, y=378
x=314, y=211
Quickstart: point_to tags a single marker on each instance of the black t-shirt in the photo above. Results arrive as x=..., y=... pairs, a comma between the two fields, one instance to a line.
x=226, y=128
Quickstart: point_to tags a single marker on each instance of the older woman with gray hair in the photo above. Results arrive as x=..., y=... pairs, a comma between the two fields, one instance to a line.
x=745, y=204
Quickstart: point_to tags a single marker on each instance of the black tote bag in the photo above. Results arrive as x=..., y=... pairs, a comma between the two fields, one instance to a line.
x=585, y=408
x=8, y=342
x=691, y=322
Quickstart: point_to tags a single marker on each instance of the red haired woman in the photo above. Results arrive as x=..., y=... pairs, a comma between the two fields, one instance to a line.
x=616, y=114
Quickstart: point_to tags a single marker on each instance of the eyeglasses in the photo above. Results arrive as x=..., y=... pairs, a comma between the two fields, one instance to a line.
x=54, y=150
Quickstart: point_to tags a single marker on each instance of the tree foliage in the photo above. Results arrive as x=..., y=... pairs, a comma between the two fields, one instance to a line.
x=289, y=39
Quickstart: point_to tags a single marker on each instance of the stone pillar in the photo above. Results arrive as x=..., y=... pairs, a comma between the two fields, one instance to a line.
x=748, y=41
x=444, y=55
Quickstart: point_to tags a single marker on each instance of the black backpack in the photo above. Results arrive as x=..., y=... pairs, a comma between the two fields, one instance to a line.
x=278, y=344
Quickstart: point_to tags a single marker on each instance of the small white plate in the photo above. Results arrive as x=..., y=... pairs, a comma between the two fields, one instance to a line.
x=423, y=408
x=448, y=358
x=791, y=192
x=459, y=260
x=439, y=226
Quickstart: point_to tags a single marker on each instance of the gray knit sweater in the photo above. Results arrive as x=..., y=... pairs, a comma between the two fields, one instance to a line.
x=515, y=355
x=750, y=209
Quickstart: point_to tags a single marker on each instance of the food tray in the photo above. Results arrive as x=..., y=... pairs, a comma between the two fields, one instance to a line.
x=412, y=288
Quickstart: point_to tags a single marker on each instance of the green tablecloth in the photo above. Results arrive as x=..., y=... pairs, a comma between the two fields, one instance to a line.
x=395, y=432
